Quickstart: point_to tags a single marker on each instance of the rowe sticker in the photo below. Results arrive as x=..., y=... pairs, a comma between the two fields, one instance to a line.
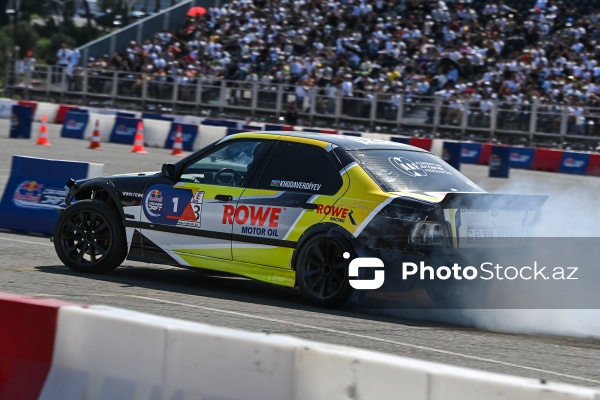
x=336, y=214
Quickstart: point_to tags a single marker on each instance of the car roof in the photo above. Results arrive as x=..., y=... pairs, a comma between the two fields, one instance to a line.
x=344, y=141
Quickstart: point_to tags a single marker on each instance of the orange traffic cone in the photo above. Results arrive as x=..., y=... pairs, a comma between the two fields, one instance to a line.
x=43, y=137
x=95, y=142
x=178, y=143
x=138, y=141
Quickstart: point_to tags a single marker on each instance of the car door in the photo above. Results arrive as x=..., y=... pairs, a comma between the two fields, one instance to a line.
x=296, y=189
x=186, y=220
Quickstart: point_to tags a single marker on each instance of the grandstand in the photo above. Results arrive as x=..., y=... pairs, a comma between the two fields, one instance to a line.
x=463, y=66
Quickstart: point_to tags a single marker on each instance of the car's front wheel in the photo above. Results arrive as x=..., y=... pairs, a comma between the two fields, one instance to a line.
x=322, y=270
x=89, y=237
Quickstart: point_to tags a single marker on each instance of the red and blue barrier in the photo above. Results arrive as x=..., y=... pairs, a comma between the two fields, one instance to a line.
x=451, y=153
x=574, y=163
x=20, y=121
x=499, y=162
x=124, y=130
x=422, y=143
x=188, y=136
x=470, y=153
x=75, y=124
x=35, y=189
x=521, y=157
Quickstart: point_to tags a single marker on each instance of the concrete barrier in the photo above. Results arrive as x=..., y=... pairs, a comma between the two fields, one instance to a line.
x=50, y=110
x=106, y=123
x=107, y=353
x=156, y=132
x=26, y=344
x=208, y=134
x=64, y=351
x=6, y=108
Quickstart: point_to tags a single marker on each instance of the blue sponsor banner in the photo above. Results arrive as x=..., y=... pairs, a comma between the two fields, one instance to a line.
x=121, y=114
x=251, y=128
x=269, y=127
x=521, y=157
x=220, y=122
x=309, y=130
x=470, y=153
x=354, y=134
x=36, y=187
x=159, y=117
x=451, y=153
x=400, y=140
x=574, y=163
x=124, y=130
x=20, y=122
x=75, y=124
x=188, y=136
x=499, y=162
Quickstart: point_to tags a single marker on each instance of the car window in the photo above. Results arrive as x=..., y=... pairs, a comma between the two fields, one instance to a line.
x=226, y=165
x=403, y=170
x=303, y=168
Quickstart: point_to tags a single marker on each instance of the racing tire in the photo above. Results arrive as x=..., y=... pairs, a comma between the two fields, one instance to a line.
x=322, y=270
x=89, y=237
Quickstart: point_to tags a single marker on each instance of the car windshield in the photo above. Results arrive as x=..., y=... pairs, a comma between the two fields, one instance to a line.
x=405, y=170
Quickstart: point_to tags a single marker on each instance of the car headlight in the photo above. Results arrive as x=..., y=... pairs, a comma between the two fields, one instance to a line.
x=429, y=233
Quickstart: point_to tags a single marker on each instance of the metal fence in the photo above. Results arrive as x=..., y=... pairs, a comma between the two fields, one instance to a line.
x=553, y=125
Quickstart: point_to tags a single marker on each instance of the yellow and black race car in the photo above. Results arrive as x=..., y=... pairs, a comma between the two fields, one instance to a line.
x=284, y=208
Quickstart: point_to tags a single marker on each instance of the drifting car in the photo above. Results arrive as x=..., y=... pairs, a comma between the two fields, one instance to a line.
x=285, y=208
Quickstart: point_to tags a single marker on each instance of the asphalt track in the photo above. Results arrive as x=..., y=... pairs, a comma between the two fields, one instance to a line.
x=29, y=265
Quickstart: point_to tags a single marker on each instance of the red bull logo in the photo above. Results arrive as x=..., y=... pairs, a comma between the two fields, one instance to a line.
x=124, y=130
x=28, y=192
x=572, y=163
x=154, y=202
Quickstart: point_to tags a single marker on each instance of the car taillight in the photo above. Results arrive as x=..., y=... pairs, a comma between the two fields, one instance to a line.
x=429, y=233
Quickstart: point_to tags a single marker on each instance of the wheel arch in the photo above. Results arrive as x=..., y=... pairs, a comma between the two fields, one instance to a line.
x=323, y=228
x=102, y=189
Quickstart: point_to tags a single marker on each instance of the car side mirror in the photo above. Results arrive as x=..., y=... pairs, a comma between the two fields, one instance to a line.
x=168, y=171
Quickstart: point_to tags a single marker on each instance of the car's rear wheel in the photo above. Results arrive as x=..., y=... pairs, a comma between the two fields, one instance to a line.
x=322, y=270
x=89, y=237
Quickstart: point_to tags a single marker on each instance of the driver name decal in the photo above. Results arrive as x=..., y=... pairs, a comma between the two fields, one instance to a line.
x=296, y=185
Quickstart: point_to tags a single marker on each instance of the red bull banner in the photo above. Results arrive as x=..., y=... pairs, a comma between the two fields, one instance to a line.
x=36, y=188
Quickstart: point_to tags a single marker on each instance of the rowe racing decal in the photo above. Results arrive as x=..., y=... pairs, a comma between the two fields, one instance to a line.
x=31, y=194
x=336, y=214
x=255, y=220
x=295, y=185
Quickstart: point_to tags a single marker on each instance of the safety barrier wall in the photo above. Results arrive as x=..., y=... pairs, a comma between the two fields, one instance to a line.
x=159, y=130
x=36, y=188
x=67, y=351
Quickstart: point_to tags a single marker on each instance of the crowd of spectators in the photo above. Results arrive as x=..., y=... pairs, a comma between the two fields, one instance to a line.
x=465, y=51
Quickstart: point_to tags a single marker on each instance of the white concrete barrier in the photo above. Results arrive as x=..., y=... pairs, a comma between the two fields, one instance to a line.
x=108, y=353
x=208, y=134
x=105, y=126
x=6, y=107
x=438, y=146
x=48, y=109
x=156, y=132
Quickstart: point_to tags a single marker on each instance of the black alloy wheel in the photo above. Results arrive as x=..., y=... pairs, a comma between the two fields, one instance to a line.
x=322, y=270
x=89, y=237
